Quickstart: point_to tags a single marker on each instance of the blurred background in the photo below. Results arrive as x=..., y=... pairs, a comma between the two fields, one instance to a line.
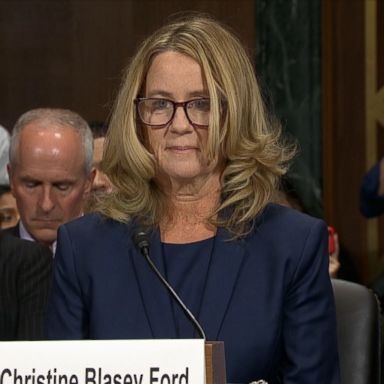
x=320, y=63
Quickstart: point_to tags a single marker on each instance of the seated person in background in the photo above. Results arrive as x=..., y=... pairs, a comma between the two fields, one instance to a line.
x=372, y=191
x=341, y=264
x=194, y=160
x=372, y=205
x=25, y=276
x=4, y=150
x=101, y=182
x=50, y=171
x=334, y=251
x=9, y=214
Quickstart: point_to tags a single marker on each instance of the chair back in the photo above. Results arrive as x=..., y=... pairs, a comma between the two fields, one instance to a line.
x=358, y=332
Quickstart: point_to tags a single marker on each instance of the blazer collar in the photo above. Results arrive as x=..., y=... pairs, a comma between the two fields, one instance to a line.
x=225, y=266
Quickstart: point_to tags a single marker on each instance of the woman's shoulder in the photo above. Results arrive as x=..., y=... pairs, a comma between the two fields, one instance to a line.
x=279, y=215
x=93, y=234
x=92, y=224
x=282, y=225
x=293, y=241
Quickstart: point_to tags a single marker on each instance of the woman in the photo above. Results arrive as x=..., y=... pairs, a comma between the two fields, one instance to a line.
x=193, y=158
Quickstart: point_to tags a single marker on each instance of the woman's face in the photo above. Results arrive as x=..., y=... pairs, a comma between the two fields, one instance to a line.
x=179, y=146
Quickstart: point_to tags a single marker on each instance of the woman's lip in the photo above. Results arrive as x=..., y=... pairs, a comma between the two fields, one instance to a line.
x=181, y=148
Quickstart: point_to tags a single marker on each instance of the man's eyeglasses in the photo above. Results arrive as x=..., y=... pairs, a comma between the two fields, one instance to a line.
x=158, y=113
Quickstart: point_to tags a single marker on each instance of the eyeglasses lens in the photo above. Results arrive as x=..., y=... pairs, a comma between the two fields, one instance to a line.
x=159, y=112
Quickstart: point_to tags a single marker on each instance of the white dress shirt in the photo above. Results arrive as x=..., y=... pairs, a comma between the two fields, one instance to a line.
x=24, y=234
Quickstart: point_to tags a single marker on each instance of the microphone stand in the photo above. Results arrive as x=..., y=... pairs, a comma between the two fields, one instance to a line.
x=141, y=241
x=214, y=351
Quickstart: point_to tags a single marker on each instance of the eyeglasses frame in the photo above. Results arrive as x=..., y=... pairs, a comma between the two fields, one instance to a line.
x=176, y=105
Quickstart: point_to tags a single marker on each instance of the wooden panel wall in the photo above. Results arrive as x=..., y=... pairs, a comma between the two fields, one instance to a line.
x=374, y=75
x=352, y=58
x=71, y=53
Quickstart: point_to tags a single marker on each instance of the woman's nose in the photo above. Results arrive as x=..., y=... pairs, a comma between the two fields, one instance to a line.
x=180, y=122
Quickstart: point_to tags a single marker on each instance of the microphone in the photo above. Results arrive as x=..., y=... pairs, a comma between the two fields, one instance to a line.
x=141, y=241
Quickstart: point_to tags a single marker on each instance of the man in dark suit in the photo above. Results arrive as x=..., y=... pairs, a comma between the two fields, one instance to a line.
x=372, y=191
x=50, y=171
x=25, y=276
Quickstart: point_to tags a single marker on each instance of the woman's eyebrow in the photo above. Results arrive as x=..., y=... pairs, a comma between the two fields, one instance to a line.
x=159, y=92
x=169, y=95
x=199, y=93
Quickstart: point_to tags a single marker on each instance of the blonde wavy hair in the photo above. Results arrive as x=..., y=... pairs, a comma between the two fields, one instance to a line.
x=240, y=131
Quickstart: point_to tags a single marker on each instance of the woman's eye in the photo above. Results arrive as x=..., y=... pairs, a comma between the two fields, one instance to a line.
x=160, y=104
x=201, y=105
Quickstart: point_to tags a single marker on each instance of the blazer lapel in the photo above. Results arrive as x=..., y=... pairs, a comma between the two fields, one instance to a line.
x=227, y=259
x=156, y=299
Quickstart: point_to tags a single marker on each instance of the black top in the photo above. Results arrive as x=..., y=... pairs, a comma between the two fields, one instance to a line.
x=186, y=269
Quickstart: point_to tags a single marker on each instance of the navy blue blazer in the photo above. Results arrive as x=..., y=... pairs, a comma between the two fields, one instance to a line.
x=267, y=296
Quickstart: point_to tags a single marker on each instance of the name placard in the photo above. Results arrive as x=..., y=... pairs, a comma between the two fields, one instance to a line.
x=103, y=362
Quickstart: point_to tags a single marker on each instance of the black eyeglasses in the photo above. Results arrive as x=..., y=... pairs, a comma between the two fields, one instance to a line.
x=157, y=112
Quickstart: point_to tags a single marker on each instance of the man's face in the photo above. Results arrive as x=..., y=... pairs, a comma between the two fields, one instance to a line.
x=48, y=179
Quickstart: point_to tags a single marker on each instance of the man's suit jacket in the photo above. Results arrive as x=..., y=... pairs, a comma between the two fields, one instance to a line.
x=267, y=296
x=25, y=277
x=13, y=231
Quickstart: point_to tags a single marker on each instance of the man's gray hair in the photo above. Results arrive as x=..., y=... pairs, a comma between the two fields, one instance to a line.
x=60, y=117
